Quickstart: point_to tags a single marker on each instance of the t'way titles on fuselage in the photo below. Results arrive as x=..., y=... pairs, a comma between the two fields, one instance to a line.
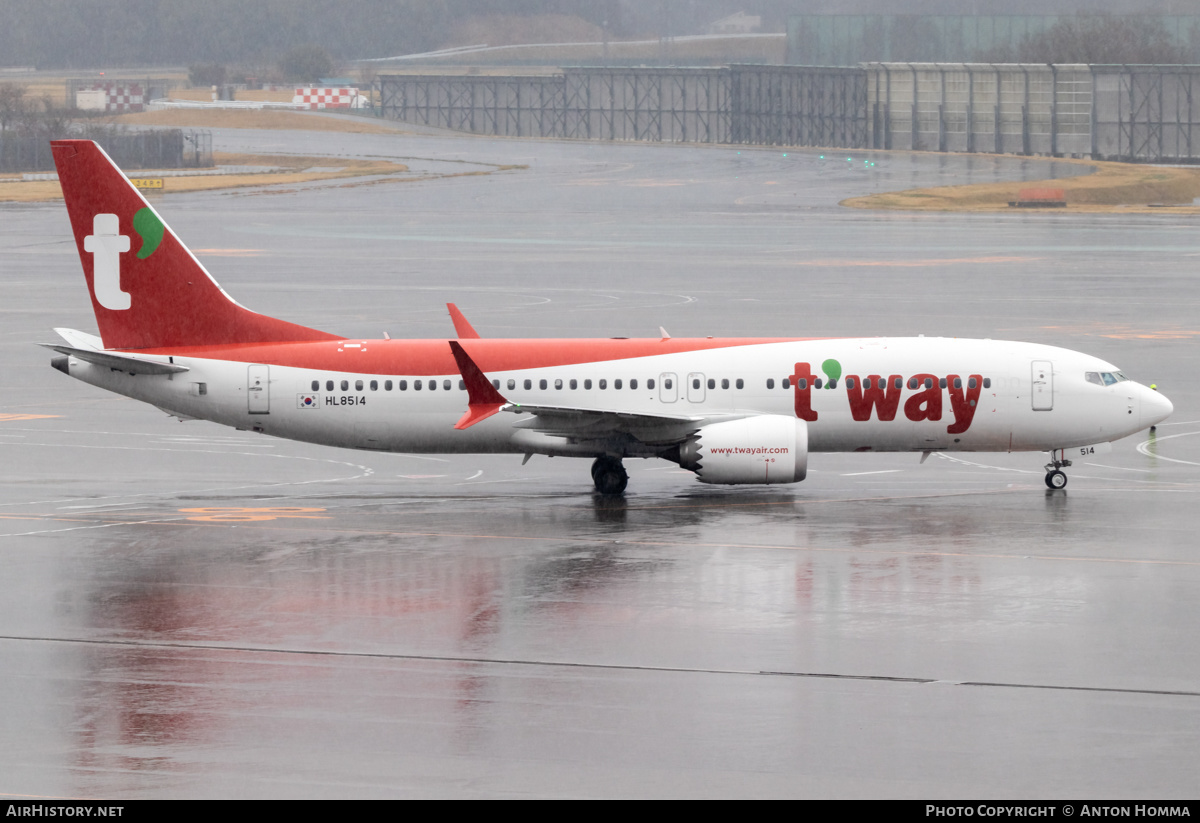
x=880, y=396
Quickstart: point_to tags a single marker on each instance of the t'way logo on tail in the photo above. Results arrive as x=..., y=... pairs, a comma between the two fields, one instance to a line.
x=159, y=296
x=106, y=244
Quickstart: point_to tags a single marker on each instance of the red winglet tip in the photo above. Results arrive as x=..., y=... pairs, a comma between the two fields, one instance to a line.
x=476, y=414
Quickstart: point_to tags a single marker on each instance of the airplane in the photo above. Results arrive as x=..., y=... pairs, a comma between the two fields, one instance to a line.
x=730, y=410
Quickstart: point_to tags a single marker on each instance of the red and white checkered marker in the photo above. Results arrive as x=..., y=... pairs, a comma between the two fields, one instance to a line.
x=325, y=98
x=123, y=98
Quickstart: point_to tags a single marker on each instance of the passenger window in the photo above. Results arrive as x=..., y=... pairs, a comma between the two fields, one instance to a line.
x=617, y=383
x=712, y=384
x=866, y=382
x=358, y=385
x=446, y=384
x=898, y=382
x=587, y=384
x=558, y=384
x=958, y=382
x=633, y=383
x=374, y=385
x=987, y=382
x=402, y=385
x=328, y=385
x=912, y=383
x=972, y=383
x=724, y=382
x=802, y=384
x=740, y=384
x=542, y=384
x=650, y=384
x=817, y=383
x=574, y=384
x=416, y=385
x=528, y=384
x=604, y=384
x=512, y=384
x=787, y=384
x=770, y=383
x=345, y=385
x=942, y=383
x=316, y=384
x=929, y=382
x=433, y=385
x=849, y=382
x=695, y=382
x=387, y=385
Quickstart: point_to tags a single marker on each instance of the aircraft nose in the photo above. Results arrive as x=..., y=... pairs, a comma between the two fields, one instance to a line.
x=1155, y=407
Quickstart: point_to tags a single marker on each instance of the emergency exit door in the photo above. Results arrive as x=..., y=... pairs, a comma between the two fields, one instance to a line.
x=258, y=389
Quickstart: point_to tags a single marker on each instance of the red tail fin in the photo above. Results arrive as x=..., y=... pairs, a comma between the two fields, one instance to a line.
x=148, y=291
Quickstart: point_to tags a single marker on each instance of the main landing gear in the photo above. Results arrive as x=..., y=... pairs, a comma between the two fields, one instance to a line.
x=609, y=475
x=1056, y=478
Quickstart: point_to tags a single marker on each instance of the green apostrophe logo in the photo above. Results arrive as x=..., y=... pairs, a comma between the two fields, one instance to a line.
x=150, y=229
x=833, y=370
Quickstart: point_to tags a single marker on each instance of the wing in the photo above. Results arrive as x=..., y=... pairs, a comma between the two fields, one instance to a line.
x=590, y=423
x=576, y=429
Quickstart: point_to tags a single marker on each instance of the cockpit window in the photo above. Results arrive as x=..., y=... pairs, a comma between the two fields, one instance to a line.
x=1104, y=378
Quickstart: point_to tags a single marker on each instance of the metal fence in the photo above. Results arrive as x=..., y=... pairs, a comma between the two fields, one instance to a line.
x=1136, y=113
x=1011, y=108
x=659, y=105
x=159, y=149
x=766, y=105
x=1146, y=113
x=788, y=106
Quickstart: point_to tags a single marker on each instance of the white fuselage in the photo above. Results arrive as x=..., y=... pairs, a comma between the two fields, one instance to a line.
x=996, y=396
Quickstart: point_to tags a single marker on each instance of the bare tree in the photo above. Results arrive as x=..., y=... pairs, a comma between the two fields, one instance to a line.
x=13, y=105
x=1103, y=38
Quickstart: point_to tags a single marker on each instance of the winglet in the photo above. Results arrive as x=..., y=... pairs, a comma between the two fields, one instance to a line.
x=462, y=328
x=483, y=399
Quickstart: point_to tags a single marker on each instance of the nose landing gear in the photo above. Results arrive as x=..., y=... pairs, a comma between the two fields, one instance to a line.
x=1056, y=478
x=609, y=475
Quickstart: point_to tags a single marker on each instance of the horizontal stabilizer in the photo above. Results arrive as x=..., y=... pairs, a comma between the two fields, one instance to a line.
x=114, y=360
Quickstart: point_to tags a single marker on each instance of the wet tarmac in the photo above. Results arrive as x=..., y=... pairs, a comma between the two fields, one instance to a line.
x=191, y=611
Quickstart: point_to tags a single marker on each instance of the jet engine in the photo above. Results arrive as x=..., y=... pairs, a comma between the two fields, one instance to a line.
x=769, y=448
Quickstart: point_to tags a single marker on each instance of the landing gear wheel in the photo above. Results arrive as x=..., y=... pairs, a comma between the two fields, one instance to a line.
x=1056, y=479
x=609, y=475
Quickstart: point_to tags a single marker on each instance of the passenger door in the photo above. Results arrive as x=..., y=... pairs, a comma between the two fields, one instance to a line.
x=1043, y=385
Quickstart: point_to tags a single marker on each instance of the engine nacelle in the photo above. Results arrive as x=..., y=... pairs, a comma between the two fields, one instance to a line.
x=769, y=448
